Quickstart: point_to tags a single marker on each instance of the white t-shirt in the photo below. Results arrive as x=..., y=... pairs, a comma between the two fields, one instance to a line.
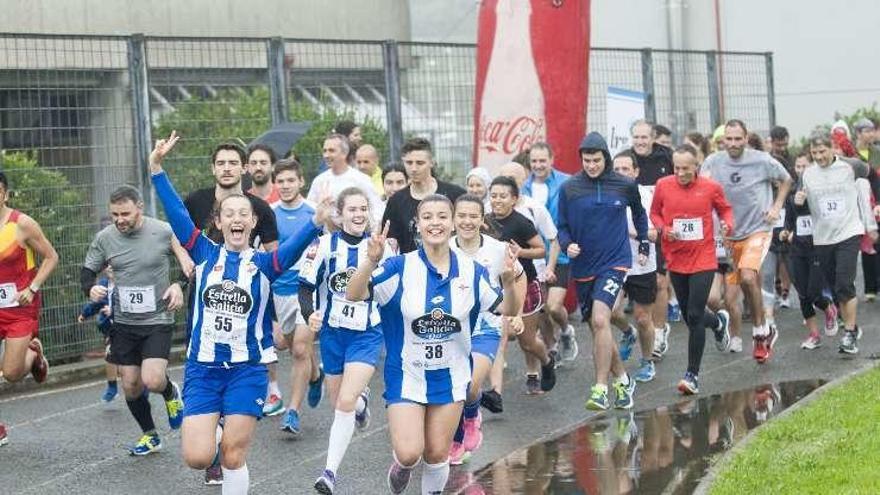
x=538, y=214
x=540, y=191
x=352, y=177
x=647, y=196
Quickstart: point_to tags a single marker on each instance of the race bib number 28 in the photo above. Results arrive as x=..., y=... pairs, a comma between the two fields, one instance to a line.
x=688, y=229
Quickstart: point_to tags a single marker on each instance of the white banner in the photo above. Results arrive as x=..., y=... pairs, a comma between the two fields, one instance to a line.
x=623, y=107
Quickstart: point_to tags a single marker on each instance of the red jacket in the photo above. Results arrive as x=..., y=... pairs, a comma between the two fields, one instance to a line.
x=682, y=209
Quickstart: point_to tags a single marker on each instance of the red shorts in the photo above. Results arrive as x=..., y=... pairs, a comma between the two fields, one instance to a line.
x=534, y=301
x=17, y=323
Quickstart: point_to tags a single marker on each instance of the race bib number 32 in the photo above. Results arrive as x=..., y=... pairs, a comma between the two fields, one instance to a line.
x=832, y=207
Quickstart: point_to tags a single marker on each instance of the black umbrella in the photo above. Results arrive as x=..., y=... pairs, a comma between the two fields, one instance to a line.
x=282, y=137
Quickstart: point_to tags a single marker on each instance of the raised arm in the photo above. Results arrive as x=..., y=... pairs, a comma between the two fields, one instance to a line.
x=181, y=223
x=358, y=288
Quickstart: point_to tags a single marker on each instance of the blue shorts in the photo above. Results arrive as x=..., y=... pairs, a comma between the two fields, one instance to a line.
x=340, y=346
x=240, y=389
x=604, y=288
x=486, y=344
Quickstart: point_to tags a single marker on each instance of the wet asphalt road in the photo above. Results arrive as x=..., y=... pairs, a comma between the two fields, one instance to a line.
x=67, y=441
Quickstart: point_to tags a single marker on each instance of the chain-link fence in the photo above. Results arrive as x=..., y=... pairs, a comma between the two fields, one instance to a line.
x=78, y=114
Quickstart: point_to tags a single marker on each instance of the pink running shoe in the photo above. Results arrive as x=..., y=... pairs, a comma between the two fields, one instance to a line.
x=473, y=433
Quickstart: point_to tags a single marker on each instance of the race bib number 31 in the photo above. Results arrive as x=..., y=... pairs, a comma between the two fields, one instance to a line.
x=804, y=225
x=8, y=295
x=137, y=299
x=688, y=229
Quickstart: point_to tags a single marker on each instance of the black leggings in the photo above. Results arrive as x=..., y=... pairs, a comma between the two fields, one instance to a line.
x=808, y=279
x=692, y=290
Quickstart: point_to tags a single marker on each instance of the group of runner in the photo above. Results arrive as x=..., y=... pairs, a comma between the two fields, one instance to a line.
x=441, y=277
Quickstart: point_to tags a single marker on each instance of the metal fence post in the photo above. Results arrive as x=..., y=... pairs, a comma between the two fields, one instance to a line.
x=391, y=63
x=140, y=97
x=278, y=108
x=648, y=84
x=771, y=92
x=714, y=93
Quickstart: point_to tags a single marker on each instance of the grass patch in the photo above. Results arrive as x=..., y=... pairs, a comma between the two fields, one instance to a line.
x=828, y=447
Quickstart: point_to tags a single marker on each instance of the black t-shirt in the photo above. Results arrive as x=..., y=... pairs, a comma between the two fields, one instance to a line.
x=518, y=228
x=201, y=204
x=401, y=211
x=654, y=166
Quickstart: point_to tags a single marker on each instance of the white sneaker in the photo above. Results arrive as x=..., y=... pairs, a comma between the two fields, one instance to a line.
x=736, y=344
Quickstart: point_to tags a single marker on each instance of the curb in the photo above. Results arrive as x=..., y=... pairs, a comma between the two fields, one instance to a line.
x=705, y=485
x=66, y=374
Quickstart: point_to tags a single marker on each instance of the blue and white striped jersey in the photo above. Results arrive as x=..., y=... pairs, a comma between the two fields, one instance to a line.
x=232, y=314
x=491, y=255
x=428, y=320
x=327, y=268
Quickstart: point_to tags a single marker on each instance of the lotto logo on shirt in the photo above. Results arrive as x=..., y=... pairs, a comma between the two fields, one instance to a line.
x=339, y=281
x=226, y=297
x=435, y=325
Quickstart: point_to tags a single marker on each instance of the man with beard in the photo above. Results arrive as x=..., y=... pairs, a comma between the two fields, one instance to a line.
x=261, y=161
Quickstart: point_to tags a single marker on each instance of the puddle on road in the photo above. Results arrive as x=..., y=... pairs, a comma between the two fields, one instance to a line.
x=666, y=450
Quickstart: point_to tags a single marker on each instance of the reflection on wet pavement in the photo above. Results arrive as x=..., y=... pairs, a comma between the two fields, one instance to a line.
x=666, y=450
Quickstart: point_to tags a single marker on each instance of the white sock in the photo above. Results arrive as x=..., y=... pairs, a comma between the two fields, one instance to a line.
x=361, y=405
x=673, y=301
x=434, y=478
x=273, y=389
x=340, y=437
x=218, y=434
x=236, y=481
x=760, y=331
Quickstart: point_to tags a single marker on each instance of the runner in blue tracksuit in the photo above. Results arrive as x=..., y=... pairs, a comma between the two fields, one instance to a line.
x=593, y=231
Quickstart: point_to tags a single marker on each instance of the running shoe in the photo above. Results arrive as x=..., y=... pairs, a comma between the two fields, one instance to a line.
x=850, y=340
x=763, y=345
x=473, y=433
x=627, y=342
x=554, y=353
x=548, y=374
x=4, y=437
x=325, y=483
x=673, y=312
x=785, y=301
x=831, y=326
x=398, y=477
x=290, y=423
x=40, y=368
x=491, y=400
x=646, y=371
x=722, y=333
x=316, y=390
x=457, y=454
x=273, y=406
x=569, y=344
x=661, y=341
x=689, y=385
x=598, y=400
x=870, y=297
x=624, y=394
x=533, y=385
x=812, y=342
x=214, y=473
x=736, y=343
x=148, y=444
x=362, y=419
x=110, y=393
x=766, y=398
x=174, y=406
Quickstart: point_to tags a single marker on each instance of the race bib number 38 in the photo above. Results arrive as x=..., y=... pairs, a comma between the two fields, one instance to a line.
x=8, y=295
x=137, y=299
x=688, y=229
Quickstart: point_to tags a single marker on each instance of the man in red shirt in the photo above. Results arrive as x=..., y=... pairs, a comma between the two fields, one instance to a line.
x=682, y=214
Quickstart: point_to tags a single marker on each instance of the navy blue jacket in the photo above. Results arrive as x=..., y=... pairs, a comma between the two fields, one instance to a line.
x=592, y=214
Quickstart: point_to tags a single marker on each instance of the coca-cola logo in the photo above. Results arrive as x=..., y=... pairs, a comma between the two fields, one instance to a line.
x=435, y=325
x=511, y=136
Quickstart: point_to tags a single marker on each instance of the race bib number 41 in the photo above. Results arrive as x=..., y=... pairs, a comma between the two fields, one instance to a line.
x=688, y=229
x=349, y=315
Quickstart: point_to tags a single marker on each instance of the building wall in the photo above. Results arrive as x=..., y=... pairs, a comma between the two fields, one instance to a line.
x=362, y=19
x=823, y=52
